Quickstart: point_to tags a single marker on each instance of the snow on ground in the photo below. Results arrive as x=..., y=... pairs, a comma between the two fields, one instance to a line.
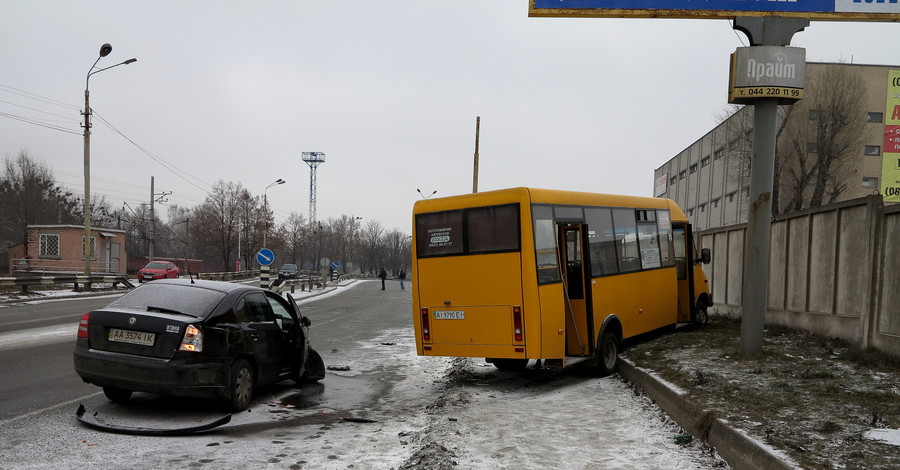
x=434, y=411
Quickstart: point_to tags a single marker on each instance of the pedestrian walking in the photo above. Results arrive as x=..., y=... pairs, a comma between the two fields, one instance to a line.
x=402, y=276
x=383, y=276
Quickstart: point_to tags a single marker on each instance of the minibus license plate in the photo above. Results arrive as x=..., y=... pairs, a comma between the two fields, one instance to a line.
x=449, y=315
x=131, y=337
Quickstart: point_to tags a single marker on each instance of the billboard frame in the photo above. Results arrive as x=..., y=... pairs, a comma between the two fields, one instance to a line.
x=700, y=13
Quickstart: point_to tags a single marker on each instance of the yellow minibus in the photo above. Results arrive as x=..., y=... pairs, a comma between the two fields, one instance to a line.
x=558, y=276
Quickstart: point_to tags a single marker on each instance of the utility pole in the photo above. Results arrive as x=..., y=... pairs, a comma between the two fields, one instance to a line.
x=475, y=175
x=153, y=199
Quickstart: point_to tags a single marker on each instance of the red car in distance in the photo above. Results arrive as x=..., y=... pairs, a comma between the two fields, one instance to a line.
x=158, y=270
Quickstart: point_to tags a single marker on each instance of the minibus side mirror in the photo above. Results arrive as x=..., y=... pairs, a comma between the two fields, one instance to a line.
x=705, y=256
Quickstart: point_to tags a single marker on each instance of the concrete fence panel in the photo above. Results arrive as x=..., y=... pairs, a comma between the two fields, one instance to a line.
x=822, y=263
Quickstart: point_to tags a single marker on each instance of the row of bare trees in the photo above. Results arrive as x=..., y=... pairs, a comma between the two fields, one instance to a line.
x=819, y=140
x=226, y=227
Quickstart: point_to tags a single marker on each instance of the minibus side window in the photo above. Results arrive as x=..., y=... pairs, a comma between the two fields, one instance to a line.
x=545, y=244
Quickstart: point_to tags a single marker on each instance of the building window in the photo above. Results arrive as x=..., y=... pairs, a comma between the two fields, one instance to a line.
x=873, y=150
x=673, y=181
x=49, y=245
x=694, y=168
x=702, y=208
x=729, y=197
x=682, y=175
x=93, y=247
x=721, y=152
x=874, y=117
x=715, y=202
x=690, y=212
x=869, y=182
x=705, y=161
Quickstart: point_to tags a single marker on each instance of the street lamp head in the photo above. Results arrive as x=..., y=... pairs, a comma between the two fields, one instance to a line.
x=105, y=50
x=130, y=61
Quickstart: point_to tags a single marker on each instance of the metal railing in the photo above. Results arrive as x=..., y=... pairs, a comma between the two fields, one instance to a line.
x=77, y=280
x=21, y=266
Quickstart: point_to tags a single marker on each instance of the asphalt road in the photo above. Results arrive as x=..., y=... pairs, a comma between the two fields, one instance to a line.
x=36, y=342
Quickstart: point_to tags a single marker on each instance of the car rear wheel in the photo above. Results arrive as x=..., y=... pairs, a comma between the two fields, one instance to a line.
x=117, y=395
x=241, y=385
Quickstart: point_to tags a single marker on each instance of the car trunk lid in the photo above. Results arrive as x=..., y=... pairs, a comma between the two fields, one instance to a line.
x=152, y=334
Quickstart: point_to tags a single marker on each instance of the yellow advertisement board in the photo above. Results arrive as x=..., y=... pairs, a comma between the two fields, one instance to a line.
x=890, y=171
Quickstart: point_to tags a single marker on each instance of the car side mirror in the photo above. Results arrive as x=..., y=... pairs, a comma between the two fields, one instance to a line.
x=305, y=321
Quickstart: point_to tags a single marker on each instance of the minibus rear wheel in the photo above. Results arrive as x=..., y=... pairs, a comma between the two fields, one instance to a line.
x=608, y=353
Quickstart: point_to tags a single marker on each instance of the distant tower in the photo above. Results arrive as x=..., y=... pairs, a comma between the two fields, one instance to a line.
x=313, y=159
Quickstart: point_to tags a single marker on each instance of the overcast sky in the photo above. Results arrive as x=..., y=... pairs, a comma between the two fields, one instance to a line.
x=388, y=90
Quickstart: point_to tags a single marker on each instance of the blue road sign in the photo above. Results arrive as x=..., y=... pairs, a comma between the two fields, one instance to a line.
x=265, y=257
x=335, y=265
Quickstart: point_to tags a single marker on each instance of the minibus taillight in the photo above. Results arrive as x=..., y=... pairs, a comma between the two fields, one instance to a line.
x=517, y=322
x=426, y=331
x=83, y=326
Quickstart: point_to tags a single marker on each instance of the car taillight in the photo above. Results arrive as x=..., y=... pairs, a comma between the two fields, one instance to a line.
x=517, y=322
x=193, y=340
x=83, y=326
x=426, y=331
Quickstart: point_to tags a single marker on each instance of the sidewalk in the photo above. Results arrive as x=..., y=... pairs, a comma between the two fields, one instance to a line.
x=804, y=402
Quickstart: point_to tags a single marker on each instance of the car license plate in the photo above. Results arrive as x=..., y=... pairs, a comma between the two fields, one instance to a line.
x=449, y=315
x=131, y=337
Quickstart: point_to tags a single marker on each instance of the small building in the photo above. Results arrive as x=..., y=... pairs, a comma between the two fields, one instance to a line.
x=60, y=249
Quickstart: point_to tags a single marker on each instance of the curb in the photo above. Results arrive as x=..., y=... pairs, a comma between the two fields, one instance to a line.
x=741, y=451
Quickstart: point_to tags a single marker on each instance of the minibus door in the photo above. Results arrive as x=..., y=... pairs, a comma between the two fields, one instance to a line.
x=576, y=287
x=684, y=266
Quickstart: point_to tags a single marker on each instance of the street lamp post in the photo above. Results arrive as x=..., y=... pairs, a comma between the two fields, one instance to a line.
x=266, y=208
x=88, y=252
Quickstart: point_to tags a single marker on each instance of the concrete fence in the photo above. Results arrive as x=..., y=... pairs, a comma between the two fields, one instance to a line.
x=834, y=270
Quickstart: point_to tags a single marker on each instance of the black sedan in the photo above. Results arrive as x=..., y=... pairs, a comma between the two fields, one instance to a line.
x=195, y=338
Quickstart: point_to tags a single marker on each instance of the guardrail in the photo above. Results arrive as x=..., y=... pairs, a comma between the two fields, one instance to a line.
x=228, y=276
x=308, y=283
x=77, y=280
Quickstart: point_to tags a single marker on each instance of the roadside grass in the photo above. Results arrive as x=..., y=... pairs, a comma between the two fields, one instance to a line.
x=812, y=397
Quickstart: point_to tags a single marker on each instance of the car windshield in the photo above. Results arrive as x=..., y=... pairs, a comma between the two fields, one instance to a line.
x=187, y=299
x=289, y=267
x=156, y=266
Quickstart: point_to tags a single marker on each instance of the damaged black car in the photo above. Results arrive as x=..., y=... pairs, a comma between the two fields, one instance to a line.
x=195, y=338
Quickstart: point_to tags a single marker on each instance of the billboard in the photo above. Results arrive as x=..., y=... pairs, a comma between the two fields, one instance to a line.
x=824, y=10
x=890, y=171
x=767, y=72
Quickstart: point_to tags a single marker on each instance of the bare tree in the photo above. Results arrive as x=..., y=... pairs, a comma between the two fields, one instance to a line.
x=823, y=138
x=216, y=220
x=293, y=232
x=372, y=241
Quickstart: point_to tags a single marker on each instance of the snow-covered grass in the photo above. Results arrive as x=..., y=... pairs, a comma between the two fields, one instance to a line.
x=818, y=400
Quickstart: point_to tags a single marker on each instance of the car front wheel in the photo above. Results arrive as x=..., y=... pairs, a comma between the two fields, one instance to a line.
x=241, y=384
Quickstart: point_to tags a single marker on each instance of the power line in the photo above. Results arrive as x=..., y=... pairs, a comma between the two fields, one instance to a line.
x=38, y=123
